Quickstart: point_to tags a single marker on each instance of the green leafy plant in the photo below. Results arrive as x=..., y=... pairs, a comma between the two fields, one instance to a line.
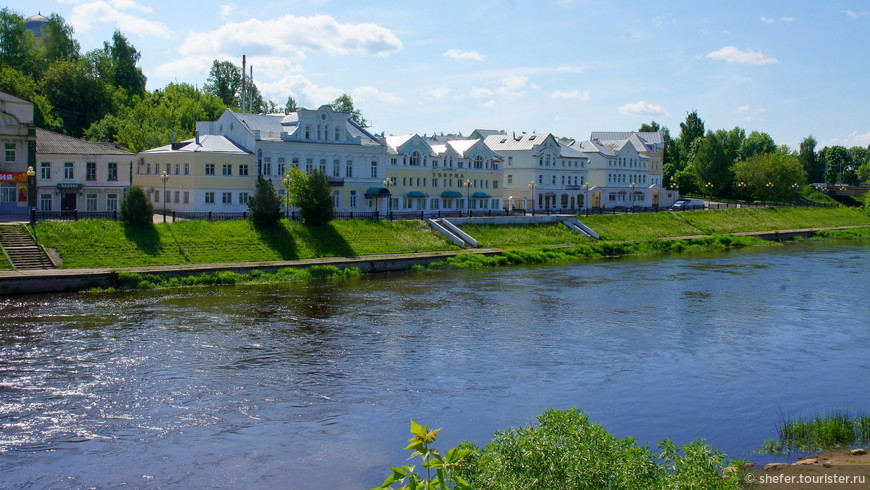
x=136, y=208
x=444, y=466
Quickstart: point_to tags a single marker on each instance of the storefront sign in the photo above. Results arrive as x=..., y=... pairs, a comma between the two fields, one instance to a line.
x=13, y=177
x=69, y=186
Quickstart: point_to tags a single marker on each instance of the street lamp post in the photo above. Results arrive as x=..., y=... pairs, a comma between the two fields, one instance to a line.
x=741, y=185
x=511, y=201
x=532, y=187
x=287, y=180
x=769, y=188
x=632, y=186
x=709, y=187
x=586, y=188
x=164, y=177
x=467, y=184
x=31, y=193
x=794, y=188
x=388, y=182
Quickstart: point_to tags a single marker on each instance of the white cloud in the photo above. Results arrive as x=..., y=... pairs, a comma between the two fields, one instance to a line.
x=514, y=86
x=852, y=139
x=289, y=35
x=568, y=69
x=86, y=15
x=227, y=11
x=767, y=20
x=855, y=15
x=573, y=95
x=732, y=54
x=743, y=108
x=490, y=104
x=739, y=79
x=367, y=93
x=643, y=109
x=438, y=92
x=479, y=93
x=458, y=54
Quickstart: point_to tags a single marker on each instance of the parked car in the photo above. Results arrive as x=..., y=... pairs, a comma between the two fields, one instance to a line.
x=689, y=204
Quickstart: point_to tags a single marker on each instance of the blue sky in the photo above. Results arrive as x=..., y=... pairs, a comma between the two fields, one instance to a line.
x=789, y=68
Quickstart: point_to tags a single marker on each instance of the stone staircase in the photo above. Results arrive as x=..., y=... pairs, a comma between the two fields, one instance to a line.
x=22, y=250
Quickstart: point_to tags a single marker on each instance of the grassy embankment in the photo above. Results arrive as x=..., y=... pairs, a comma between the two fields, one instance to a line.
x=109, y=244
x=835, y=430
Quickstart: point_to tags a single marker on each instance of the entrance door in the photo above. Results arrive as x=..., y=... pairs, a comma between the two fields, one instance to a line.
x=655, y=198
x=596, y=199
x=68, y=202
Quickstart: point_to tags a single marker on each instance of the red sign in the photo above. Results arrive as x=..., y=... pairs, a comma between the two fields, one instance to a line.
x=13, y=177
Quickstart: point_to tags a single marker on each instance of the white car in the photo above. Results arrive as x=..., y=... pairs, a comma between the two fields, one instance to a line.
x=689, y=204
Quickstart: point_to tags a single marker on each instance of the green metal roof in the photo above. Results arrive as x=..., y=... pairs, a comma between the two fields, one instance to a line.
x=377, y=191
x=416, y=194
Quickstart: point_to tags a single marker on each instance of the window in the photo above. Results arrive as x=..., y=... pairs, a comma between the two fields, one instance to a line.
x=45, y=202
x=7, y=194
x=243, y=198
x=177, y=169
x=336, y=199
x=348, y=171
x=227, y=169
x=168, y=169
x=282, y=167
x=243, y=170
x=415, y=158
x=209, y=197
x=91, y=202
x=113, y=172
x=510, y=178
x=91, y=171
x=45, y=171
x=337, y=133
x=227, y=198
x=186, y=169
x=10, y=153
x=166, y=196
x=186, y=197
x=510, y=161
x=68, y=173
x=323, y=166
x=308, y=132
x=148, y=169
x=478, y=161
x=374, y=171
x=434, y=182
x=111, y=202
x=336, y=168
x=540, y=179
x=495, y=184
x=156, y=196
x=352, y=199
x=209, y=169
x=309, y=165
x=267, y=166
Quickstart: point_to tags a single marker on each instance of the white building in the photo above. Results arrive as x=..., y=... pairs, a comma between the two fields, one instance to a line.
x=18, y=137
x=539, y=173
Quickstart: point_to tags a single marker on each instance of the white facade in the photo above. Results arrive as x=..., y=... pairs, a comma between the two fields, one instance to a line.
x=18, y=139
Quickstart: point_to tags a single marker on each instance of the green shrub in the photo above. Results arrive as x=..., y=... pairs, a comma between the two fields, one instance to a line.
x=264, y=205
x=136, y=208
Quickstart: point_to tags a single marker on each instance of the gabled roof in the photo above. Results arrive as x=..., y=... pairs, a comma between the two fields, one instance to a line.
x=514, y=141
x=208, y=143
x=648, y=137
x=567, y=151
x=396, y=142
x=591, y=146
x=51, y=143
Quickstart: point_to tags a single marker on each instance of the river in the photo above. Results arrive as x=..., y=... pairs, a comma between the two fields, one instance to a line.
x=312, y=386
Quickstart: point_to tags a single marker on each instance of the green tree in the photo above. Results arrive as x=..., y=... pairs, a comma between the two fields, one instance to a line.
x=712, y=165
x=124, y=58
x=690, y=130
x=264, y=205
x=225, y=81
x=770, y=175
x=649, y=128
x=837, y=161
x=57, y=41
x=314, y=200
x=77, y=95
x=810, y=160
x=136, y=208
x=344, y=103
x=13, y=81
x=290, y=106
x=755, y=144
x=17, y=44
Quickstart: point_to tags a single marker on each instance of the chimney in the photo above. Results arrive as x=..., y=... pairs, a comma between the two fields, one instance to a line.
x=196, y=136
x=172, y=136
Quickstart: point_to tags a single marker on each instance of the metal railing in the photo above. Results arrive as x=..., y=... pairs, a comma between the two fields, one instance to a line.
x=75, y=215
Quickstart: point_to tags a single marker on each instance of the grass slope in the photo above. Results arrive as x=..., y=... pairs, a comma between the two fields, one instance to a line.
x=508, y=236
x=717, y=222
x=98, y=243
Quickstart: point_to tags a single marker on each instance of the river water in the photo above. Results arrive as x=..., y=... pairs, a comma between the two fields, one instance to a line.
x=312, y=386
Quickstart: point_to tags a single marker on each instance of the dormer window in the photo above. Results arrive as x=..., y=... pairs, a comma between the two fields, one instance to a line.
x=308, y=132
x=337, y=134
x=415, y=158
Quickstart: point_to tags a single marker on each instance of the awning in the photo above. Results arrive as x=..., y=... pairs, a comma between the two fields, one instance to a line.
x=451, y=194
x=377, y=192
x=416, y=194
x=480, y=195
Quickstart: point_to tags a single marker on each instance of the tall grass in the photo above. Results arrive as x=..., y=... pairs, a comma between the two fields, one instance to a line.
x=134, y=281
x=834, y=430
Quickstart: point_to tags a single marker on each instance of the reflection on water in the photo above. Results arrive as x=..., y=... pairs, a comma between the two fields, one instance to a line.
x=312, y=385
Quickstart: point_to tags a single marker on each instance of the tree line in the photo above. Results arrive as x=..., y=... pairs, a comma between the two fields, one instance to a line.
x=100, y=95
x=732, y=164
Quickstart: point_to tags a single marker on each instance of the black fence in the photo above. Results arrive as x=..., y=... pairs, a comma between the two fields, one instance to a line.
x=75, y=215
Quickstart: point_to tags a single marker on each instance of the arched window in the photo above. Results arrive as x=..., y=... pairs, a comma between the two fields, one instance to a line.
x=415, y=158
x=478, y=161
